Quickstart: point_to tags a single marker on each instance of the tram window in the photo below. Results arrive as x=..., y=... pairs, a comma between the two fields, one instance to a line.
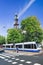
x=3, y=46
x=19, y=46
x=12, y=46
x=7, y=46
x=27, y=46
x=34, y=46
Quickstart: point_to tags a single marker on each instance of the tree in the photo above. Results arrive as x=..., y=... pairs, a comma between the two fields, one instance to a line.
x=14, y=36
x=2, y=39
x=33, y=29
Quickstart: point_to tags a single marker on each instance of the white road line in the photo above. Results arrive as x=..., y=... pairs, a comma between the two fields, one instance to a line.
x=28, y=62
x=37, y=64
x=9, y=55
x=22, y=60
x=14, y=62
x=6, y=59
x=17, y=59
x=2, y=57
x=6, y=56
x=13, y=58
x=9, y=60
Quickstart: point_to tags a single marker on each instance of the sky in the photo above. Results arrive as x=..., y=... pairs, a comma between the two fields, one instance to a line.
x=8, y=9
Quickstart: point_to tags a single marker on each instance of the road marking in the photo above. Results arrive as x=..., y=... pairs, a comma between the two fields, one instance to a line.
x=37, y=64
x=14, y=62
x=5, y=55
x=13, y=58
x=2, y=57
x=9, y=60
x=22, y=60
x=6, y=59
x=17, y=59
x=9, y=55
x=28, y=62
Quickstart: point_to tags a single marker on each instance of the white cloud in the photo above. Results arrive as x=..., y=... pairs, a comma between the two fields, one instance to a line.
x=27, y=6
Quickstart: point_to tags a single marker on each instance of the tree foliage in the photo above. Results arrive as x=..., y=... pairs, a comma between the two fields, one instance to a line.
x=14, y=36
x=2, y=39
x=33, y=29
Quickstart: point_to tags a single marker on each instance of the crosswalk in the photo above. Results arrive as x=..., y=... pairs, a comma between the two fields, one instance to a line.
x=14, y=59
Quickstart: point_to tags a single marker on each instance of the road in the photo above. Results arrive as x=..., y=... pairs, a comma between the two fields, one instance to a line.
x=16, y=59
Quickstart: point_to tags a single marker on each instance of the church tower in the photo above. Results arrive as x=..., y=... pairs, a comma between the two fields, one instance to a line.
x=16, y=21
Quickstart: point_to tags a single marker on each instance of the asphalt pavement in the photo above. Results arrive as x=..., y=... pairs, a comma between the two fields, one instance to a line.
x=16, y=59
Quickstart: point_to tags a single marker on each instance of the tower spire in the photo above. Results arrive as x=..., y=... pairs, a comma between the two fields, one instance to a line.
x=16, y=21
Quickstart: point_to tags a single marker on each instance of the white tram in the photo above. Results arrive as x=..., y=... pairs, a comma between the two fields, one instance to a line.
x=8, y=45
x=25, y=46
x=28, y=46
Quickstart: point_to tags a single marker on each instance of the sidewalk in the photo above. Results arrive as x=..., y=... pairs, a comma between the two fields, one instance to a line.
x=23, y=53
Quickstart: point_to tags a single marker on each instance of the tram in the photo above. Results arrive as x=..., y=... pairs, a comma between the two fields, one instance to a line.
x=28, y=47
x=8, y=45
x=25, y=46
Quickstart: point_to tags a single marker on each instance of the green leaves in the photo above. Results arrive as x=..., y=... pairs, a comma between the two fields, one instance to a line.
x=33, y=28
x=33, y=31
x=2, y=39
x=14, y=36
